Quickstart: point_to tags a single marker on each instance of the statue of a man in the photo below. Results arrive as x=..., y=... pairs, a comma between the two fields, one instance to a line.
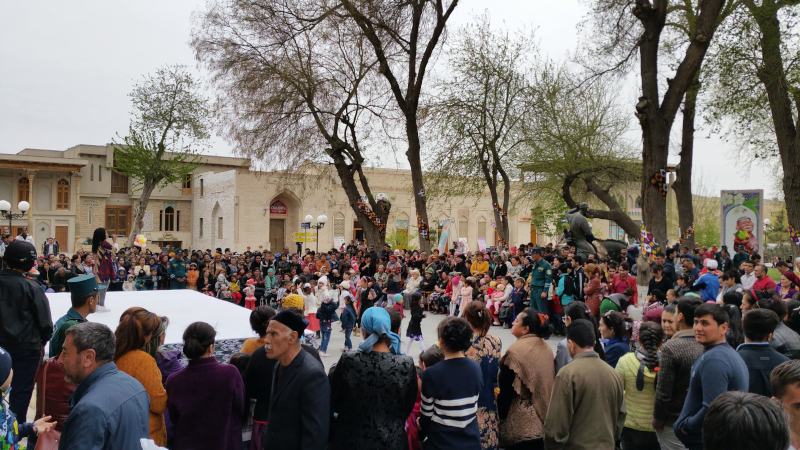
x=580, y=230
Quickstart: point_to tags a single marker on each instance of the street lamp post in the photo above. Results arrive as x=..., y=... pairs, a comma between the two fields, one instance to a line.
x=320, y=224
x=6, y=213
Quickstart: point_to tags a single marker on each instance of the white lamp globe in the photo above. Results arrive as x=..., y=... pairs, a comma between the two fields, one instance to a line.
x=766, y=222
x=24, y=206
x=309, y=219
x=322, y=219
x=4, y=205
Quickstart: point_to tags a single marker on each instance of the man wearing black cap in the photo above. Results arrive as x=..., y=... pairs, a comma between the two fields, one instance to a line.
x=299, y=404
x=25, y=322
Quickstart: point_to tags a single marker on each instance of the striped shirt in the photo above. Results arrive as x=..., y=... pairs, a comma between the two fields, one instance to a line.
x=450, y=392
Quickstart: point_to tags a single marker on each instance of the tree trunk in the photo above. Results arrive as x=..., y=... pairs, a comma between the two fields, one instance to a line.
x=655, y=134
x=416, y=175
x=657, y=115
x=683, y=179
x=139, y=210
x=773, y=76
x=347, y=174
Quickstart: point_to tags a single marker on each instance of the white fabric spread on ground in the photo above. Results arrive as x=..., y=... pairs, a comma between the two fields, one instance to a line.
x=182, y=307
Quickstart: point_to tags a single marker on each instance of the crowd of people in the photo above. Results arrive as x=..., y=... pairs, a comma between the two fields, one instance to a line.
x=707, y=359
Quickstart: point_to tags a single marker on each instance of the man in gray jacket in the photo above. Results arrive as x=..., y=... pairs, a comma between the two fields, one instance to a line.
x=109, y=410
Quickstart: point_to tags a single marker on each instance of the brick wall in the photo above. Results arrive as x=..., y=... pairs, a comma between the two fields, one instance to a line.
x=93, y=208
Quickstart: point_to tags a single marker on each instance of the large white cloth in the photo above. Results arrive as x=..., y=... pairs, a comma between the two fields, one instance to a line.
x=182, y=307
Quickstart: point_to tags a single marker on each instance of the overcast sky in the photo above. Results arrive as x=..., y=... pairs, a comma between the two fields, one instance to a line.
x=66, y=69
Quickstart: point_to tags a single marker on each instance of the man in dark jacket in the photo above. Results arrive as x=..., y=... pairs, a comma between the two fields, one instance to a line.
x=25, y=322
x=110, y=409
x=299, y=404
x=758, y=356
x=677, y=356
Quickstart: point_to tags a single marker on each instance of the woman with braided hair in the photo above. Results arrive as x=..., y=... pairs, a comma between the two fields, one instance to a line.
x=638, y=371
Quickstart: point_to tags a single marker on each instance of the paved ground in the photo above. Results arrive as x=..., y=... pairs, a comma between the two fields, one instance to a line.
x=429, y=325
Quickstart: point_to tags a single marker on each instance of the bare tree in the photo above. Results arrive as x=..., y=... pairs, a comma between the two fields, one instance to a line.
x=170, y=127
x=479, y=118
x=624, y=27
x=412, y=30
x=295, y=84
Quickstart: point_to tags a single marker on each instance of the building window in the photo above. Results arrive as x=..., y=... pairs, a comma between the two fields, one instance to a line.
x=119, y=183
x=91, y=172
x=177, y=221
x=118, y=220
x=201, y=228
x=187, y=181
x=99, y=173
x=615, y=231
x=90, y=216
x=62, y=194
x=169, y=219
x=24, y=190
x=201, y=187
x=219, y=228
x=160, y=220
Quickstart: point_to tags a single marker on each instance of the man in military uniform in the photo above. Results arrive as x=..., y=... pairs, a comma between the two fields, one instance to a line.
x=541, y=277
x=580, y=230
x=83, y=292
x=176, y=269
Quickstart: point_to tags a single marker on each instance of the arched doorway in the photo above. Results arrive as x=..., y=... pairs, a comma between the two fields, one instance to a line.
x=284, y=221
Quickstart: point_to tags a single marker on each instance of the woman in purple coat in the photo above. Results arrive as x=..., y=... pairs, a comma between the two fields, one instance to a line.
x=206, y=399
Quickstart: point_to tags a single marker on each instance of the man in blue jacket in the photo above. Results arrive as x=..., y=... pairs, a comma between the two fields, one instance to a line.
x=109, y=410
x=719, y=369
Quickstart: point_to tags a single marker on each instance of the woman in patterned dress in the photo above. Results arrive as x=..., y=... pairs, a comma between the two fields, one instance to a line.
x=485, y=351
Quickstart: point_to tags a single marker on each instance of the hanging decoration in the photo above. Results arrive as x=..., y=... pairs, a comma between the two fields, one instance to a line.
x=422, y=192
x=659, y=180
x=372, y=216
x=500, y=210
x=140, y=241
x=794, y=235
x=686, y=233
x=649, y=246
x=423, y=228
x=501, y=243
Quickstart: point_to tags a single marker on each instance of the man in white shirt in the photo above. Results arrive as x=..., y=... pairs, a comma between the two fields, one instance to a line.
x=24, y=236
x=748, y=277
x=50, y=247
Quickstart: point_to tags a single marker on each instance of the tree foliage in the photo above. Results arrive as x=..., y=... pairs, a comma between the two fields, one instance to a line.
x=478, y=120
x=759, y=86
x=169, y=129
x=578, y=147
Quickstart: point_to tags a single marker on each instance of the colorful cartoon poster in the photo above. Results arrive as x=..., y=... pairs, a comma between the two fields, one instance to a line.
x=742, y=213
x=446, y=235
x=482, y=244
x=463, y=246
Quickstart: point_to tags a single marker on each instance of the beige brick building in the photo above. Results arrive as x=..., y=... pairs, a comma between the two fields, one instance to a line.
x=225, y=204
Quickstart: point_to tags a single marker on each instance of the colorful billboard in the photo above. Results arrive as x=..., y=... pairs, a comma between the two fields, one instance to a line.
x=742, y=213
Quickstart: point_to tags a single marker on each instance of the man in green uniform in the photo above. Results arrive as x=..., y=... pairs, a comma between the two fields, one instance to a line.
x=83, y=291
x=541, y=277
x=176, y=269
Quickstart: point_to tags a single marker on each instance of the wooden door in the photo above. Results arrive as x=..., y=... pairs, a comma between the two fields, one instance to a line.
x=62, y=237
x=277, y=234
